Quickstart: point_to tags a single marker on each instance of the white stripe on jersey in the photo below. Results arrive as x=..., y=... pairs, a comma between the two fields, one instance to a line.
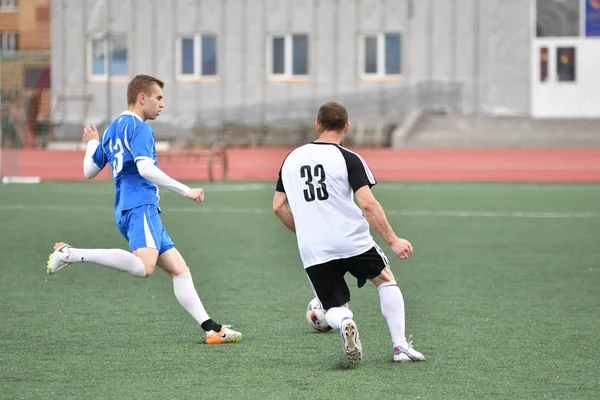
x=125, y=139
x=368, y=171
x=104, y=137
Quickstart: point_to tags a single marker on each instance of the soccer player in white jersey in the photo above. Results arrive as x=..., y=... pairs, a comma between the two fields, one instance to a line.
x=128, y=146
x=314, y=199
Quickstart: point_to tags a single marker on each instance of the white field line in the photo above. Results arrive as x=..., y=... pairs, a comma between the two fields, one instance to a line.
x=408, y=213
x=501, y=186
x=382, y=186
x=208, y=188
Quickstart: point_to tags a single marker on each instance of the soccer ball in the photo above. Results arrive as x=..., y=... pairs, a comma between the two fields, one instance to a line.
x=315, y=315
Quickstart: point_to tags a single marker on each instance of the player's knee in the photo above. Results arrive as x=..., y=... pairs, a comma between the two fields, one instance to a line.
x=149, y=269
x=148, y=257
x=386, y=275
x=172, y=263
x=178, y=270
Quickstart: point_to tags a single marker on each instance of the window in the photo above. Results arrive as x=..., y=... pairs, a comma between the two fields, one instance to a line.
x=8, y=41
x=108, y=56
x=197, y=56
x=565, y=64
x=543, y=64
x=557, y=18
x=288, y=55
x=381, y=55
x=10, y=94
x=9, y=5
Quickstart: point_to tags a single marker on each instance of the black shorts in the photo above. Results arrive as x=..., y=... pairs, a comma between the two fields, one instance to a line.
x=328, y=280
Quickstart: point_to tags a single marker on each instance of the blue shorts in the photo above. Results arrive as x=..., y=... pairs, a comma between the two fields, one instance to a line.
x=142, y=227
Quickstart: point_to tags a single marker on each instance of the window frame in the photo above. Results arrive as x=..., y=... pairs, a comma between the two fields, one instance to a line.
x=288, y=57
x=9, y=6
x=9, y=35
x=107, y=58
x=380, y=75
x=197, y=75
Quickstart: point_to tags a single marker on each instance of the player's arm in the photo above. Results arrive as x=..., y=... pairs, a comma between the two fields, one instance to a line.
x=282, y=209
x=361, y=180
x=94, y=159
x=142, y=144
x=375, y=215
x=151, y=172
x=281, y=206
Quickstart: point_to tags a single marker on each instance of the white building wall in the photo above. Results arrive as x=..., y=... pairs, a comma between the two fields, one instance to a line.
x=482, y=45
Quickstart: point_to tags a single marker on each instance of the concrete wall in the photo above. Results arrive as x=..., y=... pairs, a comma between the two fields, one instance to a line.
x=481, y=45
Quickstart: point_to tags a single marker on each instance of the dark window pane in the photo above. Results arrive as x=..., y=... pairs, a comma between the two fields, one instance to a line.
x=393, y=54
x=209, y=55
x=187, y=56
x=118, y=55
x=557, y=18
x=278, y=55
x=98, y=57
x=300, y=54
x=543, y=64
x=371, y=55
x=566, y=64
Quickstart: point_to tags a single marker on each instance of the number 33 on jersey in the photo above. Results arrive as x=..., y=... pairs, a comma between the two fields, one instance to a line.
x=319, y=180
x=319, y=175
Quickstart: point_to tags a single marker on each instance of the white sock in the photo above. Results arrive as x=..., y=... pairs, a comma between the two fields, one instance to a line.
x=112, y=258
x=336, y=315
x=187, y=296
x=392, y=308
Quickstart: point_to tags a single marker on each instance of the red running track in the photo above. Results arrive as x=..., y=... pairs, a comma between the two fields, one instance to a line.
x=514, y=165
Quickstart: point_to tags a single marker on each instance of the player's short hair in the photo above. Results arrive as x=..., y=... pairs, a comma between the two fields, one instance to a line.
x=141, y=84
x=332, y=117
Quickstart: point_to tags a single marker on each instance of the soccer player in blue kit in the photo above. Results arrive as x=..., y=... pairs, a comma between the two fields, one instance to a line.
x=128, y=146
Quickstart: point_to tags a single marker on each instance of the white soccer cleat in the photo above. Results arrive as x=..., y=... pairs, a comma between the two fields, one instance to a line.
x=59, y=258
x=350, y=341
x=407, y=353
x=225, y=335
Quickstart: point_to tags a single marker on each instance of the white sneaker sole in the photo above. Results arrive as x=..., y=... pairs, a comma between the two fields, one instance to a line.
x=352, y=348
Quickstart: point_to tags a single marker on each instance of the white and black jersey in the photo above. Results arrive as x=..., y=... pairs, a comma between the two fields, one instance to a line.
x=319, y=180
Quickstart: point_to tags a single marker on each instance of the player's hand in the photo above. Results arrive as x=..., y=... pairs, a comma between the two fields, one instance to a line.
x=402, y=248
x=196, y=194
x=90, y=133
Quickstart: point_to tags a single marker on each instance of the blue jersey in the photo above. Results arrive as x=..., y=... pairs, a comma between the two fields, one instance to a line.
x=127, y=140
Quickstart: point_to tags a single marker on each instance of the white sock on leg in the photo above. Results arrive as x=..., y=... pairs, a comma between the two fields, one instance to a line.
x=186, y=294
x=392, y=308
x=336, y=315
x=112, y=258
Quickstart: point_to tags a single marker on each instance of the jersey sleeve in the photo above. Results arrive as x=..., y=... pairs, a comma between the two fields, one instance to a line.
x=142, y=142
x=279, y=187
x=359, y=173
x=99, y=157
